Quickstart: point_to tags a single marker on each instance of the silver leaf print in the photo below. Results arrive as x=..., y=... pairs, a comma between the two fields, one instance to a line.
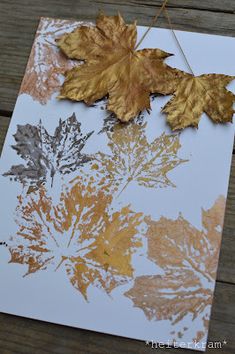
x=46, y=154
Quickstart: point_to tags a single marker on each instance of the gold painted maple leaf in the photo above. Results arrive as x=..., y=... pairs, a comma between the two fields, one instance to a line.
x=114, y=67
x=134, y=159
x=188, y=258
x=82, y=233
x=195, y=95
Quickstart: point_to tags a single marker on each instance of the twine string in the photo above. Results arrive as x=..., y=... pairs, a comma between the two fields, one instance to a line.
x=156, y=17
x=177, y=41
x=152, y=23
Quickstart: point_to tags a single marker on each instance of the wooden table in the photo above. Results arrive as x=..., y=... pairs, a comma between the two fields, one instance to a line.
x=18, y=22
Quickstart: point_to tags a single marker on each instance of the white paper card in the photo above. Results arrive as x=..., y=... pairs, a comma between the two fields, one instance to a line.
x=113, y=228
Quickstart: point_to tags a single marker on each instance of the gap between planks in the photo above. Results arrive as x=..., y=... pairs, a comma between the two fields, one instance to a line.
x=170, y=5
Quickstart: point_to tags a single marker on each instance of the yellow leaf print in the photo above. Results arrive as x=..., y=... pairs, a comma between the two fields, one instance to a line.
x=133, y=159
x=81, y=233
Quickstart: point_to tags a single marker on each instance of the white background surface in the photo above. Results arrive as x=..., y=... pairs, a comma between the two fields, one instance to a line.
x=48, y=295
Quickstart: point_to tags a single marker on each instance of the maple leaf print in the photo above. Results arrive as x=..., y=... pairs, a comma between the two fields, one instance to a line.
x=46, y=155
x=112, y=66
x=110, y=120
x=133, y=158
x=188, y=258
x=46, y=64
x=81, y=233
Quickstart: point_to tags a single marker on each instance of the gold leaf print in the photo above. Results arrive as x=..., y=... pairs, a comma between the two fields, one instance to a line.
x=188, y=257
x=81, y=233
x=133, y=158
x=46, y=62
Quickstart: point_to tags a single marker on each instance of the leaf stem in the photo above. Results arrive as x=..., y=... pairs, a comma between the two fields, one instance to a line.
x=124, y=187
x=61, y=262
x=196, y=269
x=43, y=221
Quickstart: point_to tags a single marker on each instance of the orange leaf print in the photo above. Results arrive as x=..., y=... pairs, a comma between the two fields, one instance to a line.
x=46, y=63
x=188, y=257
x=81, y=233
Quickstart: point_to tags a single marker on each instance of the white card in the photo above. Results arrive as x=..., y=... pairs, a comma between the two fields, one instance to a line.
x=111, y=228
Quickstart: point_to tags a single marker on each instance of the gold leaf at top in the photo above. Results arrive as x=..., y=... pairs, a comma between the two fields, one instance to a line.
x=195, y=95
x=113, y=67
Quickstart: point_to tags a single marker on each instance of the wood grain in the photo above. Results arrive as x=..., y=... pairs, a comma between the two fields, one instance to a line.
x=29, y=336
x=226, y=6
x=193, y=15
x=18, y=23
x=226, y=270
x=4, y=124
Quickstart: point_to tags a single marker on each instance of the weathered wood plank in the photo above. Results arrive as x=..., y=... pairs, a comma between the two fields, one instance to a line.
x=226, y=270
x=4, y=123
x=225, y=6
x=28, y=336
x=16, y=45
x=223, y=308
